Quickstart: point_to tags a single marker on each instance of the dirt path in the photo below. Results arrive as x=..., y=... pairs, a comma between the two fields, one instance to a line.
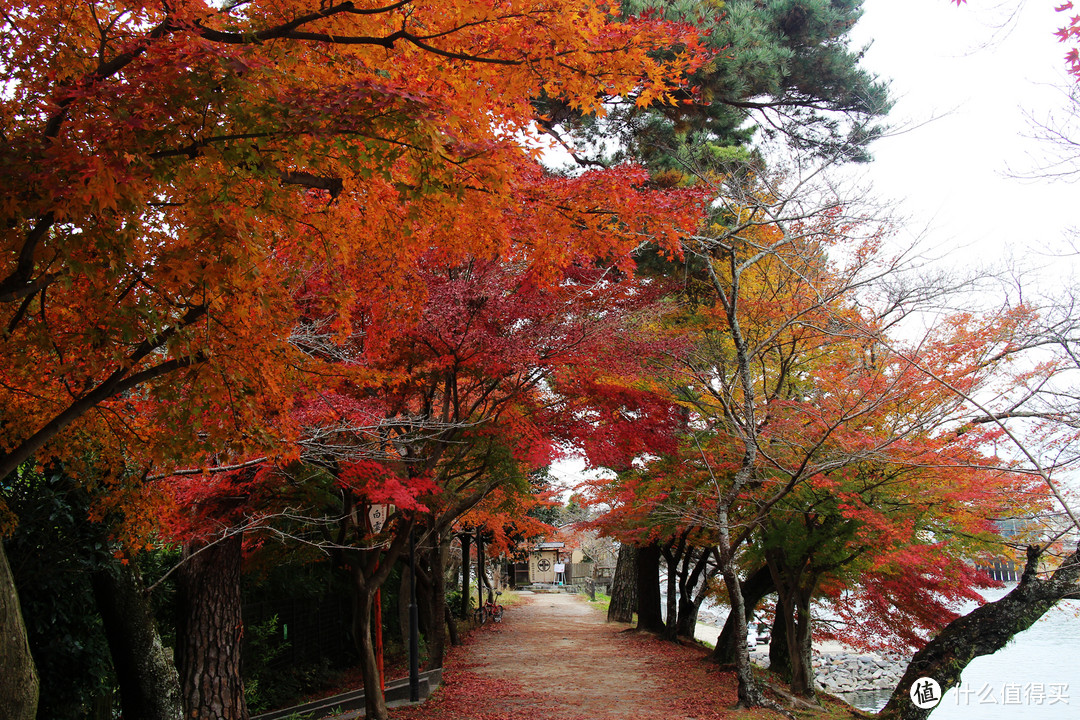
x=561, y=646
x=555, y=658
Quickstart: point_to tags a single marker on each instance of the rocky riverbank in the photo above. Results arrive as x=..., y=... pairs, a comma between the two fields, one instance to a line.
x=839, y=669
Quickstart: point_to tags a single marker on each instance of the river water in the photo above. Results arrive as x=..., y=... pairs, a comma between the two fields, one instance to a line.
x=1035, y=677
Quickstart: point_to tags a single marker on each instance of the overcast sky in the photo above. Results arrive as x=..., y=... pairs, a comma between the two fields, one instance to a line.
x=983, y=69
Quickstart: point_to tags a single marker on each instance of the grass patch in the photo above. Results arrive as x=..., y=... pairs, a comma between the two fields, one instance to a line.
x=603, y=601
x=509, y=598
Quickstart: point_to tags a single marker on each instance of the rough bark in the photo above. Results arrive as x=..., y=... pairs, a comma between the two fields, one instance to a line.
x=624, y=586
x=436, y=643
x=210, y=631
x=794, y=584
x=451, y=626
x=802, y=667
x=754, y=589
x=779, y=649
x=19, y=679
x=148, y=681
x=650, y=617
x=749, y=693
x=983, y=631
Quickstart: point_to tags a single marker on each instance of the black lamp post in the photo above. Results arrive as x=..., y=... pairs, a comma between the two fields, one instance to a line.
x=414, y=626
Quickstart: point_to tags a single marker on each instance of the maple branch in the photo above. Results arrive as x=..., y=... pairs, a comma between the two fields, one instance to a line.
x=209, y=470
x=290, y=31
x=1020, y=445
x=332, y=185
x=18, y=284
x=286, y=30
x=119, y=381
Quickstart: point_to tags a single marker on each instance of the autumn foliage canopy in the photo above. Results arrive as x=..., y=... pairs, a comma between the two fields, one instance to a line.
x=190, y=188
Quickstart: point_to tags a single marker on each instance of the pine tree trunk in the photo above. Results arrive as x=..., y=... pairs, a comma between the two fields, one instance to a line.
x=624, y=586
x=149, y=684
x=648, y=589
x=19, y=678
x=983, y=631
x=209, y=634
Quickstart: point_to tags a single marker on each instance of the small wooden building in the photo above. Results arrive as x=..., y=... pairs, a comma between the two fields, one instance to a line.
x=542, y=565
x=543, y=562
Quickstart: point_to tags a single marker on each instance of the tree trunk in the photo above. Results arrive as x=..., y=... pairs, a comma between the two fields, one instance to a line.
x=983, y=631
x=363, y=601
x=802, y=667
x=451, y=626
x=19, y=679
x=756, y=587
x=436, y=643
x=648, y=589
x=624, y=586
x=686, y=622
x=691, y=590
x=794, y=587
x=779, y=648
x=210, y=630
x=481, y=572
x=749, y=694
x=465, y=611
x=425, y=594
x=149, y=684
x=671, y=623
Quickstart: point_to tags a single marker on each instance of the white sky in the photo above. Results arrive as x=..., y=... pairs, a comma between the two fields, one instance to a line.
x=983, y=80
x=982, y=70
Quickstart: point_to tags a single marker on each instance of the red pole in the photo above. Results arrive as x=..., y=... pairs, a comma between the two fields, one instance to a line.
x=378, y=639
x=378, y=620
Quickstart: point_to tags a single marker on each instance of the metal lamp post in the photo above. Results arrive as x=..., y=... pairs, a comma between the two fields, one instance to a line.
x=414, y=626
